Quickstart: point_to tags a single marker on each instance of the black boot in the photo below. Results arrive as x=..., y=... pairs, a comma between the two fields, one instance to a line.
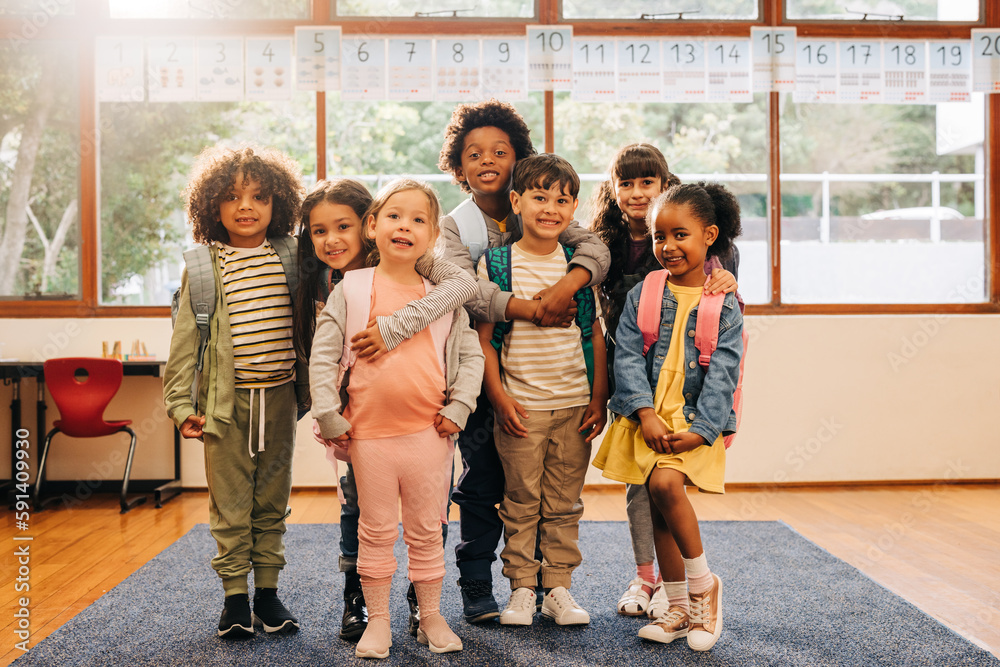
x=411, y=599
x=355, y=619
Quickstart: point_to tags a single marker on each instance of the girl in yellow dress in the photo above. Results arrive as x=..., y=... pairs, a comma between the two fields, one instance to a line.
x=674, y=412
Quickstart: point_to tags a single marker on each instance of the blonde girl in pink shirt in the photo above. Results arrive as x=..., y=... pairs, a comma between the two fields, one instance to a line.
x=403, y=409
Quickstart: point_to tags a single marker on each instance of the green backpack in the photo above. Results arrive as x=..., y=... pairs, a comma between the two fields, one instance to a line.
x=499, y=271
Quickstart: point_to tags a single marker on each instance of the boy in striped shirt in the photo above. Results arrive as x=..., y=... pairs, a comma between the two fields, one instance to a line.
x=243, y=204
x=547, y=408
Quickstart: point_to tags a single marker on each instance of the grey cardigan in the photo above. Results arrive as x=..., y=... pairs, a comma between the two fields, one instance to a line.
x=463, y=367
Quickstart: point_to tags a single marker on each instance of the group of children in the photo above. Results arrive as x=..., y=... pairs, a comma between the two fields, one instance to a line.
x=367, y=319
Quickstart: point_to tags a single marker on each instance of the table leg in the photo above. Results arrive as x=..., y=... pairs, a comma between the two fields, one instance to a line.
x=165, y=492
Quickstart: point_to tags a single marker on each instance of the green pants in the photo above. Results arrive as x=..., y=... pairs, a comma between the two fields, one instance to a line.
x=248, y=494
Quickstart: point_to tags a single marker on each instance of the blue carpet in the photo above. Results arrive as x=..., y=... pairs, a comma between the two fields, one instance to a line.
x=828, y=613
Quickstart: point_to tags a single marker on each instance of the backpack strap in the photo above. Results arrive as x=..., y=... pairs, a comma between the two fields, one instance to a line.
x=286, y=248
x=498, y=270
x=650, y=305
x=586, y=313
x=468, y=218
x=201, y=282
x=358, y=294
x=706, y=329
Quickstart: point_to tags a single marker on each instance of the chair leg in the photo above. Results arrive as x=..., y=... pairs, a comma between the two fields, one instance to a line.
x=126, y=505
x=40, y=477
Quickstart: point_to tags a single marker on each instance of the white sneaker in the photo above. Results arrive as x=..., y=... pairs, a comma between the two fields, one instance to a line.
x=520, y=608
x=560, y=606
x=634, y=600
x=659, y=604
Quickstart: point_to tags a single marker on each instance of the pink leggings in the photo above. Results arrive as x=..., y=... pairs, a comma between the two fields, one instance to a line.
x=417, y=469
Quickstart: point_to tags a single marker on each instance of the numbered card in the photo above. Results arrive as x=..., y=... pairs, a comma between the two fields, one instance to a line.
x=728, y=70
x=505, y=68
x=684, y=78
x=640, y=70
x=363, y=68
x=986, y=61
x=220, y=69
x=950, y=71
x=815, y=70
x=594, y=70
x=170, y=69
x=456, y=69
x=411, y=61
x=317, y=58
x=269, y=68
x=119, y=69
x=904, y=71
x=773, y=52
x=550, y=57
x=860, y=77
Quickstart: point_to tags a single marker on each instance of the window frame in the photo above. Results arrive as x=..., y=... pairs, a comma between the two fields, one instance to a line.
x=92, y=19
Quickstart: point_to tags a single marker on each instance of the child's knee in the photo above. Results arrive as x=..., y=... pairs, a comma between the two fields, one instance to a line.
x=666, y=488
x=377, y=535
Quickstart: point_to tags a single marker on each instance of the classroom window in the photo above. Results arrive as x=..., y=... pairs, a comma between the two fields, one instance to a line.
x=434, y=9
x=876, y=10
x=376, y=141
x=146, y=153
x=714, y=10
x=209, y=9
x=38, y=10
x=722, y=142
x=39, y=171
x=883, y=203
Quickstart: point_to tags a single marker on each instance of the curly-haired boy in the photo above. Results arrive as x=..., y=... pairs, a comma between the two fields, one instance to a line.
x=243, y=205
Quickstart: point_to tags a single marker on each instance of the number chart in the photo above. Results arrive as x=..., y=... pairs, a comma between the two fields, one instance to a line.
x=363, y=68
x=505, y=67
x=950, y=71
x=269, y=68
x=170, y=69
x=986, y=61
x=550, y=58
x=317, y=58
x=594, y=70
x=220, y=69
x=640, y=70
x=728, y=70
x=410, y=63
x=904, y=71
x=815, y=71
x=773, y=54
x=119, y=70
x=684, y=73
x=457, y=70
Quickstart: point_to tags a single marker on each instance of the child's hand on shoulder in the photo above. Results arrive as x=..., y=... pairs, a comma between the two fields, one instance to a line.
x=682, y=442
x=369, y=343
x=445, y=426
x=508, y=414
x=556, y=307
x=595, y=418
x=192, y=427
x=720, y=280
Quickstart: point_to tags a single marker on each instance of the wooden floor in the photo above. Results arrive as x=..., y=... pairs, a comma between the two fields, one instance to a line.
x=938, y=546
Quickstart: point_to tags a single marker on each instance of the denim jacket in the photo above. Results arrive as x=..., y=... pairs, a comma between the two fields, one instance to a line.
x=708, y=396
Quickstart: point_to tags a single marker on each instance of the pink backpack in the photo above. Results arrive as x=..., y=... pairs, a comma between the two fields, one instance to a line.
x=358, y=285
x=706, y=333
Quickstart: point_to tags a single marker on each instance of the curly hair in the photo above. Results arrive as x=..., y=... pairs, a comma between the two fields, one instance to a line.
x=468, y=117
x=630, y=162
x=213, y=175
x=710, y=204
x=312, y=270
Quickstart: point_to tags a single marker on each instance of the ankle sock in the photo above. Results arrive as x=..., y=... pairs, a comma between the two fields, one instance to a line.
x=699, y=577
x=677, y=594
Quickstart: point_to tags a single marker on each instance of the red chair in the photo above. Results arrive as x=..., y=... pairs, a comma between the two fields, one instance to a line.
x=82, y=387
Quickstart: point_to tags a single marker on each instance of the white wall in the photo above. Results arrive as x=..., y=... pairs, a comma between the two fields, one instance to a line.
x=848, y=398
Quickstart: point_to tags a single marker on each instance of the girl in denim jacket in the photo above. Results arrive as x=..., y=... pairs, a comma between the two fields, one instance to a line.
x=675, y=412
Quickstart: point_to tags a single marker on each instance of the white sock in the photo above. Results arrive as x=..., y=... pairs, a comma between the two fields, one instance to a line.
x=698, y=575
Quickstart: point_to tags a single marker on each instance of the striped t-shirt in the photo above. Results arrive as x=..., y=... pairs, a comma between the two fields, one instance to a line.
x=543, y=367
x=260, y=315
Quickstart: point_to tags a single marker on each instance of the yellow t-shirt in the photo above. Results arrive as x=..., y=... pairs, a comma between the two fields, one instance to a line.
x=502, y=224
x=624, y=456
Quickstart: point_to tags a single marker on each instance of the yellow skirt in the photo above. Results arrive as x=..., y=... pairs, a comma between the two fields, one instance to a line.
x=625, y=457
